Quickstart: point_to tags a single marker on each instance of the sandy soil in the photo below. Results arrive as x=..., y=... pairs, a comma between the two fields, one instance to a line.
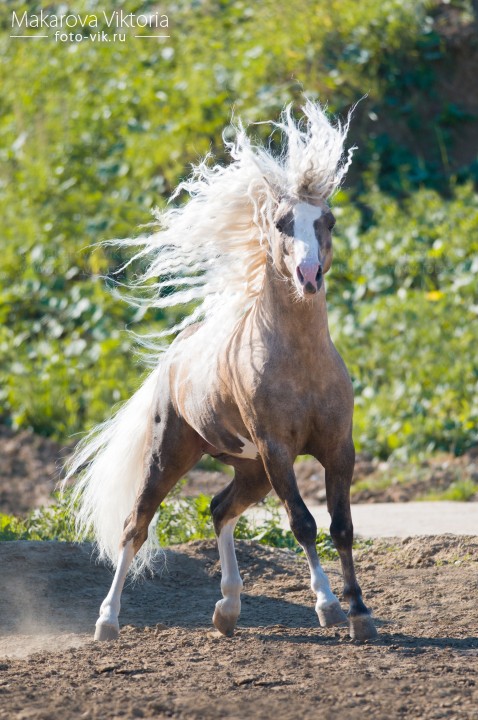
x=170, y=662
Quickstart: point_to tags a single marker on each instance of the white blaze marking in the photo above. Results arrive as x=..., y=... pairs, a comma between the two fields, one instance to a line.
x=306, y=246
x=249, y=451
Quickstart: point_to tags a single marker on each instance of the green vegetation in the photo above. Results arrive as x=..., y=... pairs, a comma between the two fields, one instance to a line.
x=404, y=313
x=460, y=491
x=93, y=135
x=180, y=520
x=53, y=522
x=378, y=482
x=438, y=478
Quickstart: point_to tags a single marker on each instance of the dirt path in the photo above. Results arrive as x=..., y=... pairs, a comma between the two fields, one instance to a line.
x=170, y=663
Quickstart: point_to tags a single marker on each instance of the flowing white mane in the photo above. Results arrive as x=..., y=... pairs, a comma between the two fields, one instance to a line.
x=212, y=251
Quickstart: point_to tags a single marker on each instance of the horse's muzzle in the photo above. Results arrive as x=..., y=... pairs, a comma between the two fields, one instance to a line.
x=310, y=277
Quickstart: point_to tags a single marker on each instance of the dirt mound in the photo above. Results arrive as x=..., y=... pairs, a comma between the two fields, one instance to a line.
x=388, y=482
x=30, y=467
x=169, y=662
x=424, y=551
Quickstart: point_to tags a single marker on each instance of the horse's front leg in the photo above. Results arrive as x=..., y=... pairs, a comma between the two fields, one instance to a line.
x=227, y=610
x=339, y=467
x=279, y=467
x=250, y=485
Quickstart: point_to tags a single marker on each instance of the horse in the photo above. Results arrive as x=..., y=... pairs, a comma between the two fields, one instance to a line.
x=252, y=377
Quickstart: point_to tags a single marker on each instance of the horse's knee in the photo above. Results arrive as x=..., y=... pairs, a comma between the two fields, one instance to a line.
x=235, y=498
x=304, y=528
x=147, y=502
x=215, y=502
x=342, y=532
x=218, y=503
x=136, y=530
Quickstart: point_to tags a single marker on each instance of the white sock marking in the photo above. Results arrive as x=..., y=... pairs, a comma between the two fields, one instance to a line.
x=319, y=581
x=111, y=605
x=231, y=583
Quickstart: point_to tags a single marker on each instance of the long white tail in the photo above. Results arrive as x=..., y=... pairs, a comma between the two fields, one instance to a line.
x=113, y=459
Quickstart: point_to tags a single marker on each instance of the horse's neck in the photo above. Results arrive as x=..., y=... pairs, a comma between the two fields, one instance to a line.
x=302, y=321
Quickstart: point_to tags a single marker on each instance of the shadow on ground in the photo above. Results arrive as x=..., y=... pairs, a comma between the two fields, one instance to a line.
x=59, y=587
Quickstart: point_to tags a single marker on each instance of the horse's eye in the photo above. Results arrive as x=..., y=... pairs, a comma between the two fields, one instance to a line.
x=332, y=222
x=285, y=224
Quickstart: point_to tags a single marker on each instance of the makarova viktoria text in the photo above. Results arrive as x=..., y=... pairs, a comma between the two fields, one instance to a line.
x=115, y=19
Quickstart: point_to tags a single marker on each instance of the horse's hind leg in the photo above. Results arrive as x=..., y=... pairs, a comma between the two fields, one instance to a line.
x=338, y=476
x=177, y=448
x=250, y=485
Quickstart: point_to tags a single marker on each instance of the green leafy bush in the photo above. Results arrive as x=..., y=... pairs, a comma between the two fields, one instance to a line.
x=53, y=522
x=92, y=136
x=404, y=306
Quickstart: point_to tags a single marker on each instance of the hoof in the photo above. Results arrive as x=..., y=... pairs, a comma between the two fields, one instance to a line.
x=224, y=624
x=362, y=628
x=331, y=615
x=106, y=632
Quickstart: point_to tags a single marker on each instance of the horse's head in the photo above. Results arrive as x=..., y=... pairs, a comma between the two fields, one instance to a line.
x=302, y=243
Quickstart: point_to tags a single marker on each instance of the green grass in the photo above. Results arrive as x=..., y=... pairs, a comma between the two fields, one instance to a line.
x=53, y=522
x=181, y=519
x=394, y=474
x=459, y=491
x=461, y=488
x=374, y=483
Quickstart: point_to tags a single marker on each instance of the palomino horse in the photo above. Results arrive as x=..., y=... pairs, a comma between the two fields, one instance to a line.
x=252, y=379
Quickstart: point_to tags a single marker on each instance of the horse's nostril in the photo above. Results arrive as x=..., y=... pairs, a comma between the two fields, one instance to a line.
x=300, y=276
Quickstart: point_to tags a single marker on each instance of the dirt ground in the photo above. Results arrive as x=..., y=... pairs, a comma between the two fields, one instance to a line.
x=169, y=661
